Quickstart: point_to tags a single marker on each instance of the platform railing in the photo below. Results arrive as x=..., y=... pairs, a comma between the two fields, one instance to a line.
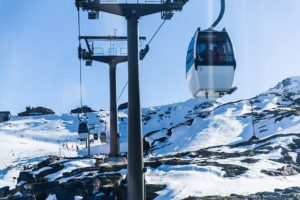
x=98, y=51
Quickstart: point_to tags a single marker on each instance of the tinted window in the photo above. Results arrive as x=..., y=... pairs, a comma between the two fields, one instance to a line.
x=214, y=52
x=190, y=55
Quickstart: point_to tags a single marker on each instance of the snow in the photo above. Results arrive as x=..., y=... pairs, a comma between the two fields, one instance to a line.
x=9, y=178
x=221, y=130
x=18, y=194
x=21, y=183
x=206, y=183
x=41, y=170
x=163, y=117
x=294, y=156
x=29, y=140
x=212, y=124
x=69, y=166
x=101, y=194
x=84, y=174
x=51, y=197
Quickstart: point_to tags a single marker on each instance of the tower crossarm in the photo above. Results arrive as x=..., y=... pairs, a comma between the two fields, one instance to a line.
x=129, y=9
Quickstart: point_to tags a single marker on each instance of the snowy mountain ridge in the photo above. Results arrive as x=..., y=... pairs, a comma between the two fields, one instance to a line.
x=209, y=124
x=288, y=86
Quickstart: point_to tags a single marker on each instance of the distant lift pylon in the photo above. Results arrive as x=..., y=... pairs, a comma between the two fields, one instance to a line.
x=210, y=62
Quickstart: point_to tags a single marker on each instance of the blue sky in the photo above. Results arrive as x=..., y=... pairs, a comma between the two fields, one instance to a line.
x=39, y=65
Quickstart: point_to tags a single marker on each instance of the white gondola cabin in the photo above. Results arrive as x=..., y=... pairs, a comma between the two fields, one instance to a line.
x=83, y=131
x=210, y=64
x=96, y=137
x=103, y=137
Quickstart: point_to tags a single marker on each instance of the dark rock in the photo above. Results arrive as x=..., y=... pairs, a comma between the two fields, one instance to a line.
x=151, y=190
x=46, y=162
x=146, y=118
x=233, y=170
x=153, y=163
x=54, y=168
x=159, y=140
x=271, y=173
x=26, y=176
x=146, y=146
x=297, y=101
x=4, y=191
x=176, y=161
x=288, y=170
x=169, y=132
x=189, y=122
x=250, y=160
x=263, y=130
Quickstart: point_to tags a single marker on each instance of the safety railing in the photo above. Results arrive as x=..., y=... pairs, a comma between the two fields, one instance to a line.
x=123, y=51
x=104, y=47
x=110, y=52
x=98, y=51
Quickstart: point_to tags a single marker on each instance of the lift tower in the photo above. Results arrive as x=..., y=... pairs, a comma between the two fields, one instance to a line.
x=132, y=12
x=113, y=56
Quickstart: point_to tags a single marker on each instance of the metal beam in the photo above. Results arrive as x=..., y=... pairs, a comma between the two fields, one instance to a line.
x=114, y=130
x=109, y=59
x=129, y=9
x=135, y=166
x=88, y=45
x=107, y=38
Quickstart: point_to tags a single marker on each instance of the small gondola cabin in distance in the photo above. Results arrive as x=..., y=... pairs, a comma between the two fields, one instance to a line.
x=5, y=116
x=123, y=106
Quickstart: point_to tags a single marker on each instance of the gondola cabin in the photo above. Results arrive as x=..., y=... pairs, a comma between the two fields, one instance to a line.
x=83, y=131
x=210, y=64
x=5, y=116
x=103, y=137
x=96, y=136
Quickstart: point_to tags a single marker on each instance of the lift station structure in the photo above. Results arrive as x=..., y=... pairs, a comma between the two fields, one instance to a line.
x=132, y=12
x=113, y=56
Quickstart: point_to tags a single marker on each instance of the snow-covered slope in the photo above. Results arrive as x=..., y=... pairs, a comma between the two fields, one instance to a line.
x=29, y=139
x=208, y=124
x=195, y=148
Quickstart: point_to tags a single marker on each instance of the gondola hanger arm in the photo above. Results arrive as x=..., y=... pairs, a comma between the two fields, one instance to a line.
x=221, y=14
x=144, y=51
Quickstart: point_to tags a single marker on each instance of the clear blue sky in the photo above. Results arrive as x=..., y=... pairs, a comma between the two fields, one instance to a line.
x=39, y=65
